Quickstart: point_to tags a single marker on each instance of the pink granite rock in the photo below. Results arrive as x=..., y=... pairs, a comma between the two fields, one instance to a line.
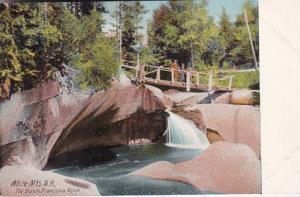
x=242, y=97
x=224, y=99
x=223, y=167
x=235, y=123
x=31, y=122
x=114, y=117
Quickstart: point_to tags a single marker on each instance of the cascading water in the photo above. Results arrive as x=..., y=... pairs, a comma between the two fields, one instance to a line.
x=184, y=133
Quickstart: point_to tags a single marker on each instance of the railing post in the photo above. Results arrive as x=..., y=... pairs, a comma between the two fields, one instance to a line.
x=172, y=75
x=137, y=71
x=158, y=75
x=197, y=78
x=188, y=81
x=230, y=82
x=210, y=81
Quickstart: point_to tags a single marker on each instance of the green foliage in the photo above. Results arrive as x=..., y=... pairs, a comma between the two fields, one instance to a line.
x=132, y=12
x=36, y=39
x=30, y=47
x=97, y=64
x=147, y=57
x=245, y=80
x=183, y=30
x=88, y=50
x=242, y=53
x=242, y=80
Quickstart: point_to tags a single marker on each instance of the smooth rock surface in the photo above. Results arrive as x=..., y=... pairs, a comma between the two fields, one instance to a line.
x=186, y=98
x=34, y=122
x=164, y=99
x=242, y=97
x=114, y=117
x=25, y=181
x=223, y=167
x=223, y=99
x=235, y=123
x=31, y=122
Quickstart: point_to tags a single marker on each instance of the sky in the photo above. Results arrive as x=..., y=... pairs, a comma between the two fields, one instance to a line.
x=214, y=7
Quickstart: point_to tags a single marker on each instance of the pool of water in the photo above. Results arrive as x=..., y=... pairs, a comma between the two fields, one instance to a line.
x=111, y=177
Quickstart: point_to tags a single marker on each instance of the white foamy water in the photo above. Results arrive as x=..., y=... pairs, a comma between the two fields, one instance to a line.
x=183, y=133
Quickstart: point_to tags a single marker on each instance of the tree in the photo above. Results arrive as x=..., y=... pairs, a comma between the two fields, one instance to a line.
x=225, y=38
x=37, y=39
x=199, y=30
x=241, y=53
x=85, y=8
x=97, y=64
x=131, y=19
x=181, y=30
x=156, y=34
x=30, y=47
x=88, y=50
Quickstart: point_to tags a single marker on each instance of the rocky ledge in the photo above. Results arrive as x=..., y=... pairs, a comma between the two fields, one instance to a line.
x=231, y=164
x=46, y=122
x=223, y=167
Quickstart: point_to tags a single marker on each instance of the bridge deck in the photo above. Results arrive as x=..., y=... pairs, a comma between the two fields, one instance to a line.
x=192, y=81
x=182, y=85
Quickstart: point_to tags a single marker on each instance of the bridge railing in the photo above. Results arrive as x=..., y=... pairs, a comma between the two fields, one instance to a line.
x=179, y=78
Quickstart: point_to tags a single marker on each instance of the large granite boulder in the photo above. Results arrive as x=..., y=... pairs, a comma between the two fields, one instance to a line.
x=115, y=117
x=235, y=123
x=34, y=122
x=25, y=181
x=164, y=99
x=239, y=97
x=223, y=167
x=242, y=97
x=31, y=122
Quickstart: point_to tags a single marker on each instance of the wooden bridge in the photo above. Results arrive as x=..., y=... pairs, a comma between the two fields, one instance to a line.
x=193, y=80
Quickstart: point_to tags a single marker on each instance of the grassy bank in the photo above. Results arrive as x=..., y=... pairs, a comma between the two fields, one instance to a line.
x=245, y=80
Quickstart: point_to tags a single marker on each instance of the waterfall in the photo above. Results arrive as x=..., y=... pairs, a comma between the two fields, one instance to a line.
x=184, y=133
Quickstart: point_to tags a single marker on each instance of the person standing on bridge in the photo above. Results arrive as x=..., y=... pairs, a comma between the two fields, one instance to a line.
x=175, y=66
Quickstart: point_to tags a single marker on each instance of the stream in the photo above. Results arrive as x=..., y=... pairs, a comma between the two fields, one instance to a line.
x=112, y=177
x=184, y=142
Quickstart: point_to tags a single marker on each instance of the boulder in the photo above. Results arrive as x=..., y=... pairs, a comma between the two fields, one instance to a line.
x=242, y=97
x=235, y=123
x=223, y=99
x=121, y=81
x=45, y=121
x=31, y=122
x=164, y=99
x=223, y=167
x=114, y=117
x=25, y=181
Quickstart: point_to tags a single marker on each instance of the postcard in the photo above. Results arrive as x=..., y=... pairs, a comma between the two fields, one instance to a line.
x=130, y=98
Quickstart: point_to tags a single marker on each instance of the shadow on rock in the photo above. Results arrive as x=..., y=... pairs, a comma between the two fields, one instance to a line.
x=81, y=158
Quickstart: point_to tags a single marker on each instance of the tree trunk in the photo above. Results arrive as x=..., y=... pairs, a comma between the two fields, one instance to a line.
x=192, y=55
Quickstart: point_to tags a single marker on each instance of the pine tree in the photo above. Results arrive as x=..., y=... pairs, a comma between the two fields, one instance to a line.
x=30, y=48
x=241, y=53
x=225, y=37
